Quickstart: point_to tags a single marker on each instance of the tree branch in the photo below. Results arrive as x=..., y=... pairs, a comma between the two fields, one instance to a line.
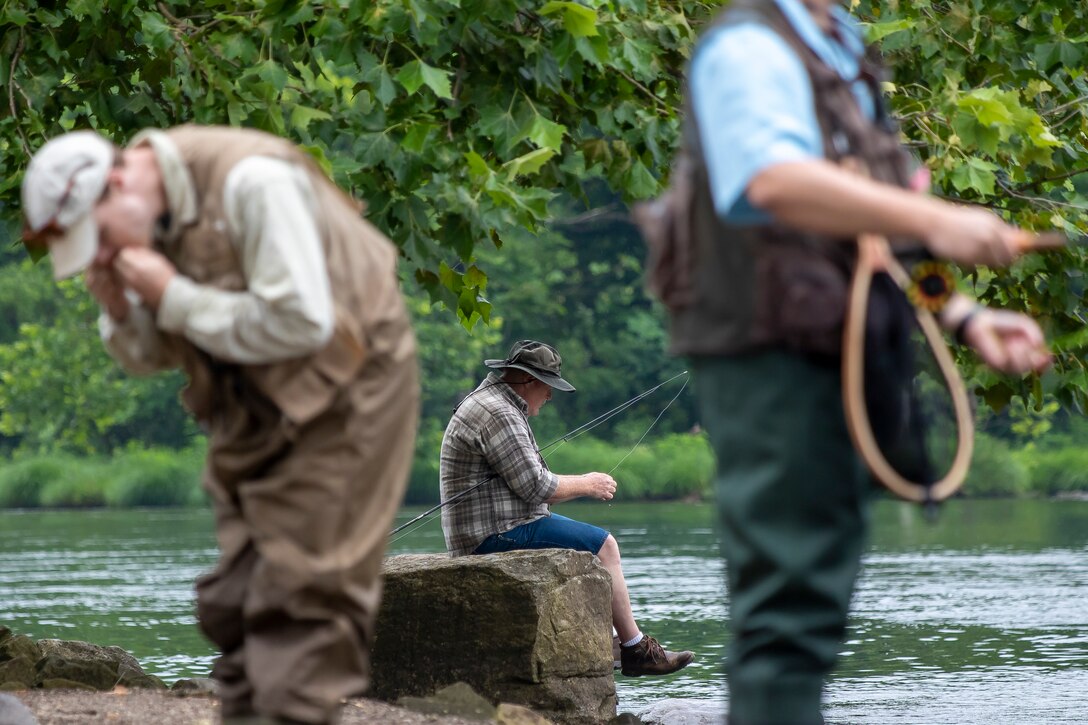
x=661, y=106
x=1039, y=200
x=1060, y=109
x=11, y=92
x=1060, y=177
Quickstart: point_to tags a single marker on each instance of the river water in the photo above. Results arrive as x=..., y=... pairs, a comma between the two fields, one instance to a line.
x=978, y=617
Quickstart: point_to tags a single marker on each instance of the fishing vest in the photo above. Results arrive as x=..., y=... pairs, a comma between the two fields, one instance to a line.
x=732, y=289
x=370, y=319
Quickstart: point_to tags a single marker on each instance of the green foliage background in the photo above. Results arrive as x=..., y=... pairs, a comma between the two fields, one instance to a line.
x=993, y=96
x=471, y=127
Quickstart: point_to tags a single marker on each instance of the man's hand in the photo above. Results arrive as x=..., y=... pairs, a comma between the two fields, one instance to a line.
x=600, y=486
x=106, y=288
x=146, y=272
x=972, y=236
x=1007, y=341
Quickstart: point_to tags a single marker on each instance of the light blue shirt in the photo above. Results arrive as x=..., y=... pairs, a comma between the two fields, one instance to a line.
x=753, y=103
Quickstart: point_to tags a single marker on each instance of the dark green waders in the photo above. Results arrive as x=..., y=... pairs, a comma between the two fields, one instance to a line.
x=793, y=512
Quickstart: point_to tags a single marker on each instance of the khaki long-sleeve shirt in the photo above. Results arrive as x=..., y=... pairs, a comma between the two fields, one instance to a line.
x=286, y=309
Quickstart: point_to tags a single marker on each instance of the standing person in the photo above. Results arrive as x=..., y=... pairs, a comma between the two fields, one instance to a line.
x=780, y=92
x=227, y=252
x=489, y=442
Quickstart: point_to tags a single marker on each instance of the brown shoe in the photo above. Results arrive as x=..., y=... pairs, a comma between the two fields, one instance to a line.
x=648, y=657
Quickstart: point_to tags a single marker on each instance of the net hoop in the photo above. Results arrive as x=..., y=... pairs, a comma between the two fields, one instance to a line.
x=874, y=255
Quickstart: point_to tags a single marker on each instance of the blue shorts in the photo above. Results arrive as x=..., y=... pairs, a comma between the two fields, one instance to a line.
x=549, y=532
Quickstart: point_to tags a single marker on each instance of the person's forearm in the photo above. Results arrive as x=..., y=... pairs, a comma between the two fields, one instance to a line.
x=570, y=487
x=240, y=326
x=818, y=196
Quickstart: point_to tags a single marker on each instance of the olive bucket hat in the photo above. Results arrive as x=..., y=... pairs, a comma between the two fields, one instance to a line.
x=539, y=360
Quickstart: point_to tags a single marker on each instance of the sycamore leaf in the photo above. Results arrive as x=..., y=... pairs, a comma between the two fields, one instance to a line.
x=302, y=116
x=974, y=135
x=990, y=106
x=546, y=134
x=977, y=175
x=416, y=73
x=528, y=163
x=475, y=277
x=578, y=20
x=450, y=280
x=502, y=127
x=273, y=73
x=437, y=80
x=467, y=312
x=1036, y=87
x=875, y=32
x=477, y=167
x=1076, y=340
x=15, y=16
x=640, y=182
x=416, y=138
x=385, y=90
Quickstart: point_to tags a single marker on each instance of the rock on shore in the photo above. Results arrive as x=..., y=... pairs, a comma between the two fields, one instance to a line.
x=64, y=664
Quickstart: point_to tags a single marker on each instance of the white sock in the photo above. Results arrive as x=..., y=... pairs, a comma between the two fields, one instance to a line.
x=633, y=641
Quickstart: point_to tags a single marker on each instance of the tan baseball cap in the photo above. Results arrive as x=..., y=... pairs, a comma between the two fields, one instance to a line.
x=64, y=181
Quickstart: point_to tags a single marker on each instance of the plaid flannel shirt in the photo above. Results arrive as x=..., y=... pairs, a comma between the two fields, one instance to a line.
x=489, y=438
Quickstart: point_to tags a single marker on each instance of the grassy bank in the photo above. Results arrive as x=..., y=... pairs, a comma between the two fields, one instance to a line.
x=133, y=478
x=670, y=467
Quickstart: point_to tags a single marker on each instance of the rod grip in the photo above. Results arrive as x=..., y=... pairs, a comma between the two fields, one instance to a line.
x=1031, y=242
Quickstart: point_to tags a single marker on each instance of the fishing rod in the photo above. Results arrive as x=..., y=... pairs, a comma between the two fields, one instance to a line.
x=605, y=417
x=571, y=435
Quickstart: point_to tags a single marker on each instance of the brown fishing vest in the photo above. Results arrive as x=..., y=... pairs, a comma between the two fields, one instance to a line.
x=731, y=289
x=370, y=319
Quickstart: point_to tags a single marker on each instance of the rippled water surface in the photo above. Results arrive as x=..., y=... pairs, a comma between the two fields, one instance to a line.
x=980, y=617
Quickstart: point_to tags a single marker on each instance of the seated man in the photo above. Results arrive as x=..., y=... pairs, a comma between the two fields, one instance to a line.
x=488, y=443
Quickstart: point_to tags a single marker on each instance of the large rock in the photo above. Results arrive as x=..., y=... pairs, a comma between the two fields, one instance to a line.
x=528, y=627
x=19, y=645
x=56, y=662
x=93, y=674
x=18, y=673
x=100, y=667
x=71, y=649
x=195, y=687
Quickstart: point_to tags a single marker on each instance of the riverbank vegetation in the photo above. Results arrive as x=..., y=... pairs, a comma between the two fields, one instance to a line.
x=670, y=467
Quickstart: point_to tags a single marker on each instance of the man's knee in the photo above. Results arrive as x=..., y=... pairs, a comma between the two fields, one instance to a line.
x=610, y=551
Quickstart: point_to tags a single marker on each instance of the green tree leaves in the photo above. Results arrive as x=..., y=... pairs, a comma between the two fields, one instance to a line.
x=59, y=391
x=460, y=122
x=416, y=73
x=396, y=95
x=578, y=20
x=992, y=97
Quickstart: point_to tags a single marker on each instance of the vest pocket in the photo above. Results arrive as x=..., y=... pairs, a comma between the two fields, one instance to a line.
x=304, y=389
x=803, y=299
